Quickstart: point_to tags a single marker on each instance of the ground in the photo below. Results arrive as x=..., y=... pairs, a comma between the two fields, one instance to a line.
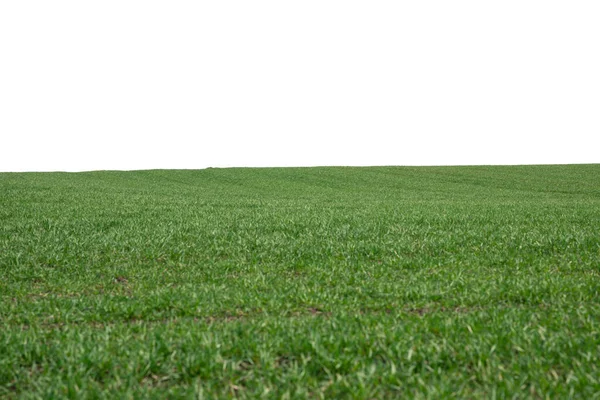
x=375, y=282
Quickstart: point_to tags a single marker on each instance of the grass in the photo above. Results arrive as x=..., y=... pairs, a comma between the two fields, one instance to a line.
x=379, y=282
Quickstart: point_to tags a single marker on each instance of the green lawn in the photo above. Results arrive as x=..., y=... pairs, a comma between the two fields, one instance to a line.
x=378, y=282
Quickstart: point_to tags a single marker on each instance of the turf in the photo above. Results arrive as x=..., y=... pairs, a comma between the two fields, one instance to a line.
x=378, y=282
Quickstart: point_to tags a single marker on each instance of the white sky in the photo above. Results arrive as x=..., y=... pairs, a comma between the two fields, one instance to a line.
x=123, y=84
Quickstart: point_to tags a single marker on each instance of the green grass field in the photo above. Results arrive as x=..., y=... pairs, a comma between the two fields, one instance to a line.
x=378, y=282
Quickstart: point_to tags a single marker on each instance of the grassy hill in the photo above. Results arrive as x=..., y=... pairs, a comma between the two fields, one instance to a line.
x=329, y=282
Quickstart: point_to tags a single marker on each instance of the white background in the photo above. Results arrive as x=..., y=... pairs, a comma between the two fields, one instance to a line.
x=123, y=84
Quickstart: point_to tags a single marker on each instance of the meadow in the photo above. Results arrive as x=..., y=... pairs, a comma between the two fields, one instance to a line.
x=329, y=282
